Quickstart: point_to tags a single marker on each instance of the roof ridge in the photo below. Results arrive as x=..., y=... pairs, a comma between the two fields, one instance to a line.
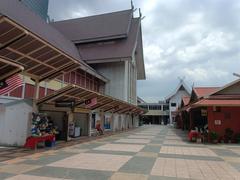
x=207, y=87
x=92, y=16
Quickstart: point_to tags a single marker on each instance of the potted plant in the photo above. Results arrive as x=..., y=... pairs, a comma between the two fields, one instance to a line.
x=237, y=137
x=221, y=139
x=213, y=137
x=228, y=135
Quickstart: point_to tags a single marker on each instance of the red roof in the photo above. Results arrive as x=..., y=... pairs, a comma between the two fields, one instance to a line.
x=186, y=100
x=218, y=102
x=203, y=91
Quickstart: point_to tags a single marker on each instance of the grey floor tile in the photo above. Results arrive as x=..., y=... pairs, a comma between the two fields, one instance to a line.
x=225, y=152
x=235, y=165
x=48, y=159
x=157, y=141
x=112, y=152
x=149, y=148
x=165, y=178
x=178, y=156
x=141, y=165
x=69, y=173
x=88, y=145
x=6, y=175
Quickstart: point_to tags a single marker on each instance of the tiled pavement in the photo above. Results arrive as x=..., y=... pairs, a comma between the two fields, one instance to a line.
x=150, y=152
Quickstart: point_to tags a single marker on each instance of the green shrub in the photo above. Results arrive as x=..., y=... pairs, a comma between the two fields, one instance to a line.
x=213, y=135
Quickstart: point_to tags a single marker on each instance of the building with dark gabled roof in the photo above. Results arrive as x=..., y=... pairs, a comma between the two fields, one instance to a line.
x=57, y=77
x=96, y=28
x=112, y=44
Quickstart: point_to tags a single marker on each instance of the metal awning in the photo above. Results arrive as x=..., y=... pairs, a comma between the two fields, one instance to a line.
x=8, y=69
x=39, y=59
x=79, y=95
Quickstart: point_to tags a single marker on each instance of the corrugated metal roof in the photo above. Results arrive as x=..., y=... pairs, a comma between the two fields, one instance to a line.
x=25, y=17
x=217, y=102
x=203, y=91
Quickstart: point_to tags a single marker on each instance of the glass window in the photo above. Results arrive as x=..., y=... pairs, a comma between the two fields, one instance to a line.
x=173, y=104
x=93, y=124
x=165, y=107
x=154, y=107
x=144, y=106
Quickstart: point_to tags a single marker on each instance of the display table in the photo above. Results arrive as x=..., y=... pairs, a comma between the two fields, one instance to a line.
x=193, y=135
x=31, y=142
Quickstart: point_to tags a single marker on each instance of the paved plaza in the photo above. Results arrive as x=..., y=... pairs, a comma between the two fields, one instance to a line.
x=149, y=152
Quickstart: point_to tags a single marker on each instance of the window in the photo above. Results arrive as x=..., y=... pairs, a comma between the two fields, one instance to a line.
x=173, y=104
x=155, y=107
x=144, y=106
x=165, y=107
x=93, y=124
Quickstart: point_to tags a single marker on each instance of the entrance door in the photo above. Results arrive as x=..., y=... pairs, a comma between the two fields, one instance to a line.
x=81, y=120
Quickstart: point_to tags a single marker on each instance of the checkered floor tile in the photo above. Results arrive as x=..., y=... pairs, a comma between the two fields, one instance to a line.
x=147, y=153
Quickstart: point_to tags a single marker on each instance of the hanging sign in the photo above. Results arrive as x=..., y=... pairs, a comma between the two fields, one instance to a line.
x=64, y=103
x=203, y=112
x=217, y=122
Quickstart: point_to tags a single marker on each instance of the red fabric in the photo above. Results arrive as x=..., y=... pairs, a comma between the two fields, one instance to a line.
x=98, y=127
x=13, y=83
x=32, y=142
x=91, y=102
x=192, y=134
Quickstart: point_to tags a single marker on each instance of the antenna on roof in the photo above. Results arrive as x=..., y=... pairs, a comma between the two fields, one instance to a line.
x=132, y=5
x=181, y=79
x=140, y=13
x=237, y=75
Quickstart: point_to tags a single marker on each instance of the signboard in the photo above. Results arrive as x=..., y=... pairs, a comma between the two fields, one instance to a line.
x=90, y=102
x=217, y=122
x=203, y=112
x=64, y=104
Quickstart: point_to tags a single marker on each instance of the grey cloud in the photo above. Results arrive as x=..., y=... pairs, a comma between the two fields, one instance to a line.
x=198, y=39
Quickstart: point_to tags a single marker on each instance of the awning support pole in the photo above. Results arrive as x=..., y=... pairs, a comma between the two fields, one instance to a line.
x=36, y=96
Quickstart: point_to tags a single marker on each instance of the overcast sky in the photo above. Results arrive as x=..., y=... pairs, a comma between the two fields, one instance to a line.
x=195, y=39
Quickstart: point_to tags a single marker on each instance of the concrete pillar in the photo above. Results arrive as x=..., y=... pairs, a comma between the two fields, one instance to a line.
x=36, y=96
x=112, y=122
x=70, y=120
x=90, y=123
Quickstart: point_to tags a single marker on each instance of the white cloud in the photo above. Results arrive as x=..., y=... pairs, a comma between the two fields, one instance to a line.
x=196, y=39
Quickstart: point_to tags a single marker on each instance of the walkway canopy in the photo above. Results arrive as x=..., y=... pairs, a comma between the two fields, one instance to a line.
x=8, y=68
x=80, y=96
x=28, y=41
x=39, y=59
